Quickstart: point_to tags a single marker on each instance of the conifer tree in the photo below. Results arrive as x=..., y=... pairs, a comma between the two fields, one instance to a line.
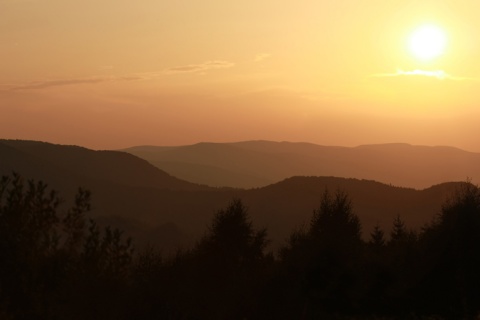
x=399, y=231
x=377, y=238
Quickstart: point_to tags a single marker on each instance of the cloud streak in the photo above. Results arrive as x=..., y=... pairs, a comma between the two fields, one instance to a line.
x=202, y=67
x=45, y=84
x=437, y=74
x=37, y=85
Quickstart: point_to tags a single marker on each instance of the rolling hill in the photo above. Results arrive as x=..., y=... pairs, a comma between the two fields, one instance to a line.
x=59, y=162
x=156, y=207
x=259, y=163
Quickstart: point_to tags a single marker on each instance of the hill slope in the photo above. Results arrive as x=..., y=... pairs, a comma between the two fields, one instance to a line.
x=124, y=187
x=259, y=163
x=154, y=207
x=43, y=160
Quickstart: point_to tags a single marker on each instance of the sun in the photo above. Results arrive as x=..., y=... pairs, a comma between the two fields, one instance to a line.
x=427, y=42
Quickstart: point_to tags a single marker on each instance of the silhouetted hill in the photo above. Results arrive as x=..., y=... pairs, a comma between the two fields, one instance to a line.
x=215, y=164
x=259, y=163
x=290, y=203
x=35, y=157
x=152, y=206
x=119, y=181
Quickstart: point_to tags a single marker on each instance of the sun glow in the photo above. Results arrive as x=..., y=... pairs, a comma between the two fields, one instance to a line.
x=427, y=42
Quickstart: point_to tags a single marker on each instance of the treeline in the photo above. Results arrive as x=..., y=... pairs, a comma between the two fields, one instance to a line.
x=58, y=264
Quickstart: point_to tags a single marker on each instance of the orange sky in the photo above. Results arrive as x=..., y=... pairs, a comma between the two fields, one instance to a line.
x=111, y=74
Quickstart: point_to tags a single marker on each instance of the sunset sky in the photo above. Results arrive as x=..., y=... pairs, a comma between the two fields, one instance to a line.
x=109, y=74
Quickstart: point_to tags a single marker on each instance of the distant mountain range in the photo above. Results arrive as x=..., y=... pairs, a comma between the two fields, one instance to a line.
x=253, y=164
x=154, y=206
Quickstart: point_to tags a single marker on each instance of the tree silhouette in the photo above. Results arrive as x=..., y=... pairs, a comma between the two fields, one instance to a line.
x=43, y=252
x=29, y=239
x=334, y=220
x=322, y=262
x=452, y=282
x=399, y=231
x=377, y=238
x=232, y=237
x=60, y=264
x=377, y=275
x=74, y=221
x=224, y=271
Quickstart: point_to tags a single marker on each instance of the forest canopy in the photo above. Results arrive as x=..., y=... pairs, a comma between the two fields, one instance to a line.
x=58, y=263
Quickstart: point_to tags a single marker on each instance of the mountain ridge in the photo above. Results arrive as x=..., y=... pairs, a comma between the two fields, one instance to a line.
x=172, y=213
x=102, y=165
x=262, y=162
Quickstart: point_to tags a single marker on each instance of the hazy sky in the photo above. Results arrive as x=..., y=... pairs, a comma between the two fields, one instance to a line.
x=110, y=74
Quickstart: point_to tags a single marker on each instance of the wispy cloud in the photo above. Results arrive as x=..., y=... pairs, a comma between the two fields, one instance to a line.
x=43, y=84
x=202, y=67
x=262, y=56
x=53, y=83
x=67, y=82
x=438, y=74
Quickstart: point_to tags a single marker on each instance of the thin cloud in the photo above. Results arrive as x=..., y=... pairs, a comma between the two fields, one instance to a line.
x=202, y=67
x=67, y=82
x=53, y=83
x=438, y=74
x=38, y=85
x=262, y=56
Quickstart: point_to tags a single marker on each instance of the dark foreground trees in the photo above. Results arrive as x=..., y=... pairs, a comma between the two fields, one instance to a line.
x=319, y=268
x=227, y=266
x=451, y=280
x=57, y=264
x=51, y=264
